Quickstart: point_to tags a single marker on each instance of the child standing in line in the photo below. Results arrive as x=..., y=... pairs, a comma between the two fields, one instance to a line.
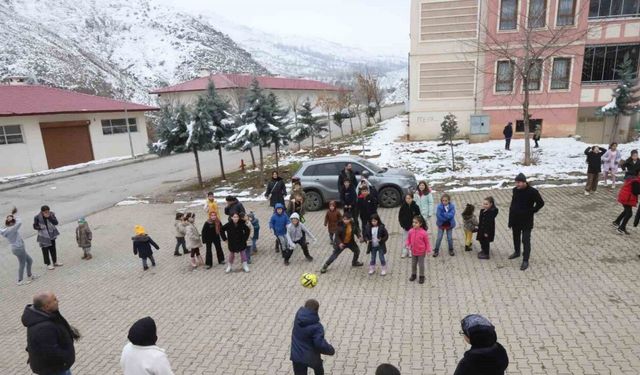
x=487, y=226
x=236, y=233
x=408, y=211
x=331, y=220
x=297, y=234
x=179, y=231
x=445, y=221
x=349, y=198
x=296, y=205
x=210, y=205
x=470, y=225
x=424, y=199
x=376, y=236
x=83, y=238
x=418, y=242
x=211, y=236
x=255, y=223
x=142, y=246
x=611, y=161
x=192, y=238
x=278, y=224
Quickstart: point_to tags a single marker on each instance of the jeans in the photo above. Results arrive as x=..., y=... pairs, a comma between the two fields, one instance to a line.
x=624, y=217
x=485, y=245
x=507, y=143
x=232, y=256
x=449, y=238
x=337, y=251
x=23, y=260
x=332, y=236
x=144, y=261
x=301, y=369
x=50, y=250
x=417, y=262
x=180, y=242
x=377, y=251
x=524, y=235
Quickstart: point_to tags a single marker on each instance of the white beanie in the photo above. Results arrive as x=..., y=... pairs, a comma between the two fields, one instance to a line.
x=295, y=216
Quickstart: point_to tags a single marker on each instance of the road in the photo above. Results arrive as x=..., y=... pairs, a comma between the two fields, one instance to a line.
x=80, y=195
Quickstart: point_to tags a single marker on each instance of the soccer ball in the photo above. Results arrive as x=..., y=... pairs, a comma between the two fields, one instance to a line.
x=309, y=280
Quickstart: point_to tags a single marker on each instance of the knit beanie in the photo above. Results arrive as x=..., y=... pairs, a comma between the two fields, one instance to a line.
x=143, y=332
x=295, y=216
x=521, y=177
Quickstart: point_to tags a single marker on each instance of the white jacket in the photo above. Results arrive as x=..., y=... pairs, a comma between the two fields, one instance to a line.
x=144, y=360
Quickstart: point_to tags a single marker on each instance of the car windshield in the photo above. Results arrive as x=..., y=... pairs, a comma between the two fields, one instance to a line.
x=372, y=166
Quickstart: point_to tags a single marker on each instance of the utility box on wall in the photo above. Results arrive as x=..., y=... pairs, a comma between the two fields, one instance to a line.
x=479, y=131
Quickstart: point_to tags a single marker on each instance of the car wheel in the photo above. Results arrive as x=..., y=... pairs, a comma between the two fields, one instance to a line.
x=389, y=197
x=313, y=201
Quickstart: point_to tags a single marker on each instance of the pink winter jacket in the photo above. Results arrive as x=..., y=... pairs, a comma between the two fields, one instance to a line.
x=418, y=242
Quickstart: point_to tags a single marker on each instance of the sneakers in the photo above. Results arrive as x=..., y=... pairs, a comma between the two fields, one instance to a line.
x=357, y=264
x=309, y=258
x=403, y=255
x=145, y=268
x=383, y=271
x=614, y=225
x=23, y=282
x=421, y=280
x=622, y=231
x=84, y=256
x=468, y=248
x=89, y=257
x=514, y=256
x=413, y=277
x=483, y=256
x=324, y=269
x=50, y=266
x=286, y=262
x=228, y=269
x=435, y=254
x=451, y=253
x=586, y=193
x=245, y=266
x=524, y=266
x=208, y=267
x=33, y=277
x=372, y=270
x=176, y=254
x=58, y=264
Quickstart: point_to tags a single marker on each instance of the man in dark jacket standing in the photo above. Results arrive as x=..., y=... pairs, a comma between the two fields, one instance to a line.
x=508, y=133
x=594, y=167
x=486, y=356
x=49, y=336
x=347, y=175
x=307, y=340
x=526, y=201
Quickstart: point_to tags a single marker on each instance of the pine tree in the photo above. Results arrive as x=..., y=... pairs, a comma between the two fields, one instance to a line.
x=200, y=132
x=316, y=128
x=172, y=130
x=449, y=128
x=257, y=115
x=277, y=132
x=221, y=121
x=623, y=102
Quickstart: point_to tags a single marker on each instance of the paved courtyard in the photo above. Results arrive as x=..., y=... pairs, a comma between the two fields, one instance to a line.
x=575, y=311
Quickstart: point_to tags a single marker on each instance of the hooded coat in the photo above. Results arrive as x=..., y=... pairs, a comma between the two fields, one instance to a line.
x=446, y=215
x=367, y=206
x=49, y=341
x=524, y=204
x=628, y=194
x=142, y=245
x=594, y=159
x=141, y=356
x=487, y=224
x=234, y=208
x=331, y=220
x=236, y=235
x=486, y=356
x=276, y=191
x=407, y=213
x=192, y=236
x=307, y=339
x=46, y=228
x=83, y=235
x=278, y=223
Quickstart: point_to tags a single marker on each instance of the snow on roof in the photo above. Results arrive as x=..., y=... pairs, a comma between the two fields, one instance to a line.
x=40, y=100
x=232, y=81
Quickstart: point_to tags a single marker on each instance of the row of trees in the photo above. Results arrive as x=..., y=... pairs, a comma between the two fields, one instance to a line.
x=259, y=121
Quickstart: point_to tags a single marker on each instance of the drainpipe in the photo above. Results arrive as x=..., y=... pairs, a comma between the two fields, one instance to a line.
x=475, y=75
x=126, y=119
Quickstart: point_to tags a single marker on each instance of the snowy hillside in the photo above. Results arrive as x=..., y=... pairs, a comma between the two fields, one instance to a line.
x=112, y=47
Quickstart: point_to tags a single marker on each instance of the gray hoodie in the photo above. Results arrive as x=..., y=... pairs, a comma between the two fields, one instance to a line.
x=11, y=234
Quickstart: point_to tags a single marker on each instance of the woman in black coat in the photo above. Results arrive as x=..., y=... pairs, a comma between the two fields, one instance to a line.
x=276, y=189
x=487, y=226
x=236, y=234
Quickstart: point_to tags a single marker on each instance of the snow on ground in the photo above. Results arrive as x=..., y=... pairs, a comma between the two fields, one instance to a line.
x=66, y=168
x=132, y=201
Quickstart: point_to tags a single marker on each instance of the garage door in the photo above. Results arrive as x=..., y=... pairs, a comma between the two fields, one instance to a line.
x=66, y=143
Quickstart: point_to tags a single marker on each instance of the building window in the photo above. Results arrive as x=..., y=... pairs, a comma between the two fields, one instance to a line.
x=535, y=76
x=10, y=134
x=600, y=62
x=566, y=12
x=537, y=13
x=560, y=73
x=508, y=14
x=118, y=126
x=504, y=76
x=614, y=8
x=533, y=122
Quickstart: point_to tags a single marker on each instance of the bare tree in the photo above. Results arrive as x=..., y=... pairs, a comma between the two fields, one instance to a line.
x=531, y=52
x=294, y=100
x=370, y=88
x=328, y=104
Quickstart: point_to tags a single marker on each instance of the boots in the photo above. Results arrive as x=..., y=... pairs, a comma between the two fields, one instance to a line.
x=324, y=268
x=384, y=271
x=413, y=277
x=245, y=266
x=483, y=256
x=468, y=248
x=372, y=270
x=514, y=255
x=524, y=266
x=421, y=280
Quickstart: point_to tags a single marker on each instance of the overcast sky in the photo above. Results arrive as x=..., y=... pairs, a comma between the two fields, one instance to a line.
x=375, y=25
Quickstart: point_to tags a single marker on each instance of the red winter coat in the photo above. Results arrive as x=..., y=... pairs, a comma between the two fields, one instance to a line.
x=628, y=195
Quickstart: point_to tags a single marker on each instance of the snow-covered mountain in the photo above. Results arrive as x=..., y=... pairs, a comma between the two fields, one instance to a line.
x=112, y=47
x=123, y=48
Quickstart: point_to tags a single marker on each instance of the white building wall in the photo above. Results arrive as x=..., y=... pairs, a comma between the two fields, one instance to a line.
x=30, y=156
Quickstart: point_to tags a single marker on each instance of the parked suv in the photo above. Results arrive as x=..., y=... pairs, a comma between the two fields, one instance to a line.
x=319, y=180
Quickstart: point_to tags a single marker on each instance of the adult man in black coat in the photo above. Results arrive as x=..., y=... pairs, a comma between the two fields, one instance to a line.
x=508, y=133
x=346, y=174
x=49, y=336
x=594, y=167
x=526, y=201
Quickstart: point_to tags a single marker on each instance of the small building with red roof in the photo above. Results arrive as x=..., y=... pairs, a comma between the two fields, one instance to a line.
x=44, y=128
x=233, y=87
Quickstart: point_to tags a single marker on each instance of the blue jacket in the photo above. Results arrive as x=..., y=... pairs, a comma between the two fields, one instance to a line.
x=443, y=216
x=307, y=339
x=278, y=223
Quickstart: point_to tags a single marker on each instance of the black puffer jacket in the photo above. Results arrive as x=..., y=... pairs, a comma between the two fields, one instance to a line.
x=407, y=213
x=487, y=224
x=594, y=159
x=492, y=360
x=142, y=246
x=524, y=204
x=276, y=191
x=236, y=235
x=49, y=341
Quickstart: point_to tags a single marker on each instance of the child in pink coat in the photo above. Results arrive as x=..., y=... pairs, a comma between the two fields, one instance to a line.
x=418, y=243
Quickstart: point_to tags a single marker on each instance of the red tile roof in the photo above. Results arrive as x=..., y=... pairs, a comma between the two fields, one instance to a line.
x=231, y=81
x=41, y=100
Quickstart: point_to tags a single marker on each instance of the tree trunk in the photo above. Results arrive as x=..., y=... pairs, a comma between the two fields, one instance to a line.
x=351, y=123
x=195, y=154
x=379, y=111
x=453, y=159
x=341, y=132
x=261, y=158
x=329, y=122
x=525, y=112
x=224, y=176
x=313, y=149
x=277, y=164
x=614, y=130
x=253, y=158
